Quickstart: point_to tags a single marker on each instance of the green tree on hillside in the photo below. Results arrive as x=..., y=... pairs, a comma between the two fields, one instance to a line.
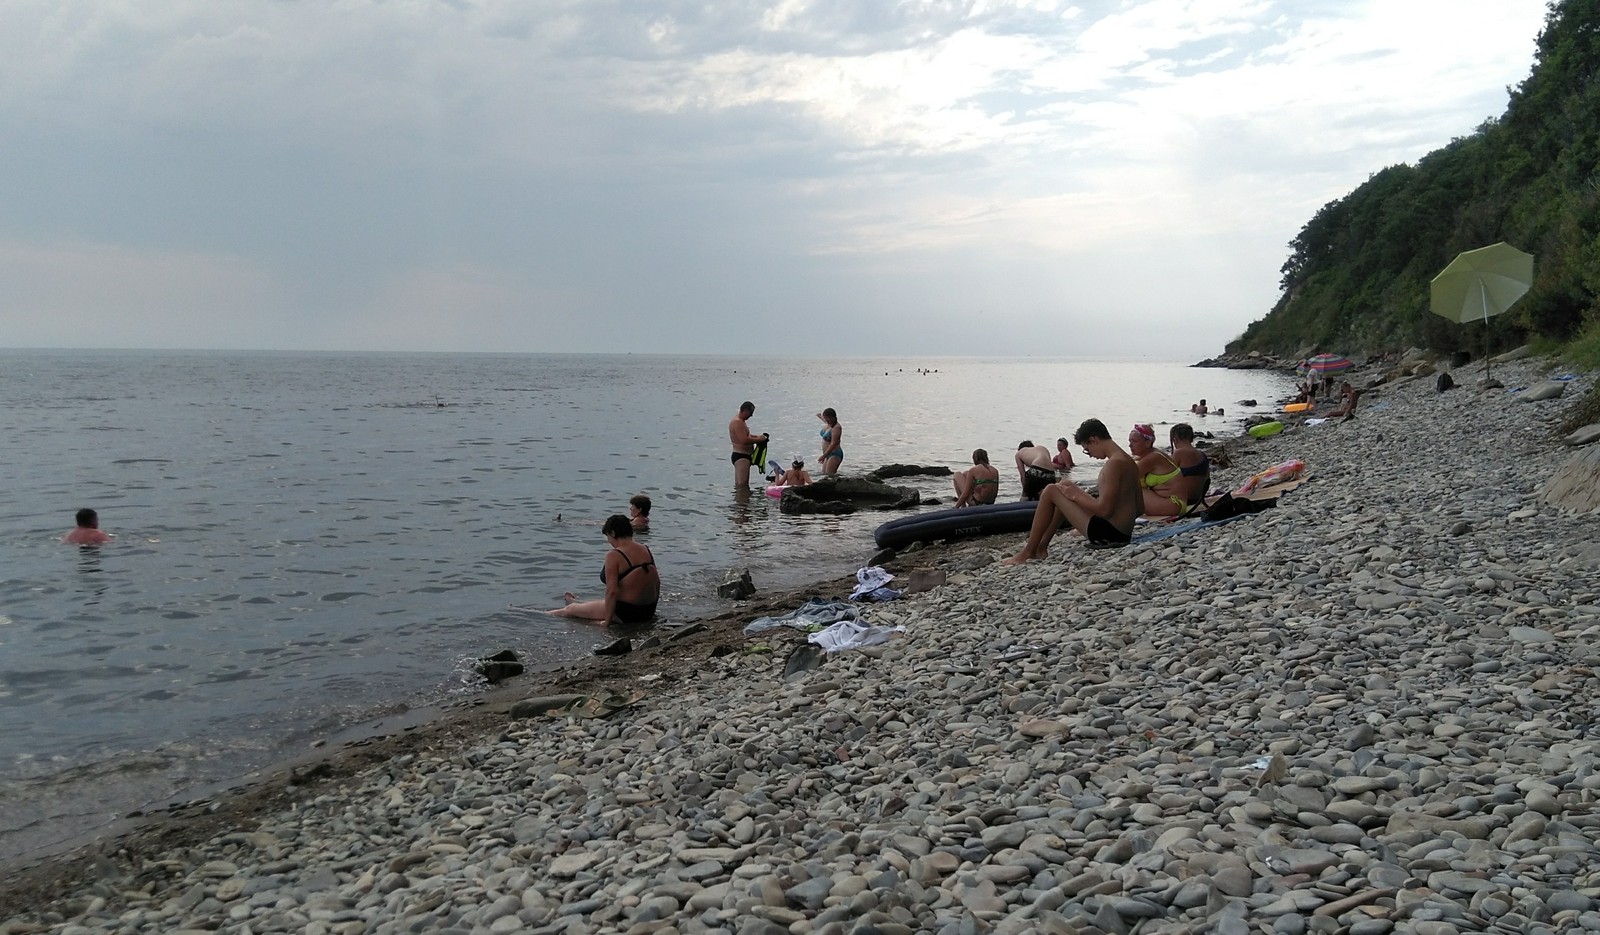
x=1357, y=274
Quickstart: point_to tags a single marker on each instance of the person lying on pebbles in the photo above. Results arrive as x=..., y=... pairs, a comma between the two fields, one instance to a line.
x=1105, y=520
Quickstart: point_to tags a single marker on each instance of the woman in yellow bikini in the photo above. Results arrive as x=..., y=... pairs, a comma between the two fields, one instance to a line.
x=1173, y=484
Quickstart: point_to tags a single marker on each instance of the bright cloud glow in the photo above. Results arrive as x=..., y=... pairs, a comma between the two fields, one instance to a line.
x=505, y=175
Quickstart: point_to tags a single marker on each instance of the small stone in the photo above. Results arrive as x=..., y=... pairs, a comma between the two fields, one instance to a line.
x=571, y=864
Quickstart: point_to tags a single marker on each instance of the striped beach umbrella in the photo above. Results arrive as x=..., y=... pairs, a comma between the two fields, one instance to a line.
x=1326, y=365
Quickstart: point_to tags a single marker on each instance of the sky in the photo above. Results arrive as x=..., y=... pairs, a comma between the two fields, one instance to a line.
x=827, y=177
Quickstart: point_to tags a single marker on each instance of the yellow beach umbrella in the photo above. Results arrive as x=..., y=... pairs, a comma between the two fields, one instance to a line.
x=1479, y=284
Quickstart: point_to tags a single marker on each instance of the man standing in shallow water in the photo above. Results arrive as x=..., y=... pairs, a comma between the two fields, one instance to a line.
x=1106, y=520
x=744, y=443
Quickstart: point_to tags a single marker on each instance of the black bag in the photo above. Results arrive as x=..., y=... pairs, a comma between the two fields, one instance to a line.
x=1445, y=382
x=1230, y=506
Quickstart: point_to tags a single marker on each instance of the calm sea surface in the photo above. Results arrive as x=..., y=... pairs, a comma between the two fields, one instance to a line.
x=307, y=541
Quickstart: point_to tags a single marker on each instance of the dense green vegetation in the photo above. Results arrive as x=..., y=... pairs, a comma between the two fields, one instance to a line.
x=1357, y=275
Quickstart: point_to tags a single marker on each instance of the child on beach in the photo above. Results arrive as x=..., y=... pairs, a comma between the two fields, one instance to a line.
x=639, y=512
x=88, y=530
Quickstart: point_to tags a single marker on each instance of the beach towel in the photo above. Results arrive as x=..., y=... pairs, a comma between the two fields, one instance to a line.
x=849, y=634
x=1181, y=527
x=812, y=615
x=1277, y=474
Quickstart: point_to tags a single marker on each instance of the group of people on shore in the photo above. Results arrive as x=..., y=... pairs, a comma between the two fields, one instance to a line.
x=748, y=448
x=1348, y=395
x=629, y=572
x=1140, y=481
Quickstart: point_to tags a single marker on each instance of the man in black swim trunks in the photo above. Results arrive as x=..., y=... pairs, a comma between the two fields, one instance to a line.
x=1034, y=469
x=744, y=443
x=1106, y=520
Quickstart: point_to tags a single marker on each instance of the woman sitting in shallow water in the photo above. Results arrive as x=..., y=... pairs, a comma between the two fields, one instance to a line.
x=633, y=585
x=978, y=484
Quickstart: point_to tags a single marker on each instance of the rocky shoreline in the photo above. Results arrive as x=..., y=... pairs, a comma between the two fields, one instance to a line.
x=1368, y=710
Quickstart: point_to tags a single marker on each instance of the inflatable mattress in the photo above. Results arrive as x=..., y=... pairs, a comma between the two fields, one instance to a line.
x=990, y=520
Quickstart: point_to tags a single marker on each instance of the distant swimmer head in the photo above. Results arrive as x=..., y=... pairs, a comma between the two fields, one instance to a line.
x=88, y=518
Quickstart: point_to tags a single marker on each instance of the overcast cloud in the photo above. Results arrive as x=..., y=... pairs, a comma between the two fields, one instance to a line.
x=799, y=176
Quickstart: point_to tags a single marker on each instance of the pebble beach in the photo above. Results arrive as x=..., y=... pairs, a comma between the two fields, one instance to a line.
x=1371, y=709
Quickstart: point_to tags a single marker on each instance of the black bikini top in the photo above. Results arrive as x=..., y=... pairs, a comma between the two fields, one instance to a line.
x=648, y=563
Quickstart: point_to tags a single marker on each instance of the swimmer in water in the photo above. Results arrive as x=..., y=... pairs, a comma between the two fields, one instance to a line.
x=88, y=530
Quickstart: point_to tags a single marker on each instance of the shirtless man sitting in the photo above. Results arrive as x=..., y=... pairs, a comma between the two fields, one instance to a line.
x=1106, y=520
x=744, y=443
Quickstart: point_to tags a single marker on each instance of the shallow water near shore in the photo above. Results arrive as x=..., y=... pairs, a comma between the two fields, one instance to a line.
x=307, y=541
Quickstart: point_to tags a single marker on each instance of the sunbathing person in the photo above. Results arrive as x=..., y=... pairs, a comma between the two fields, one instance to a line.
x=1105, y=520
x=1347, y=402
x=978, y=484
x=1177, y=496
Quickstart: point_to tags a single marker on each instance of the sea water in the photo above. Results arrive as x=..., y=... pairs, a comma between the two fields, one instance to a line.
x=306, y=541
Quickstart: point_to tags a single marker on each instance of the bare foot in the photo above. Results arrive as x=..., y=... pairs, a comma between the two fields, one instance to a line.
x=1018, y=559
x=570, y=598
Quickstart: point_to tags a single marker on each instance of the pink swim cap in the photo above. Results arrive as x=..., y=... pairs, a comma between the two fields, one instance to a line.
x=1145, y=429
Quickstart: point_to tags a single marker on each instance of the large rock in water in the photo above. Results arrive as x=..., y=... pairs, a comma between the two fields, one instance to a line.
x=909, y=470
x=846, y=495
x=1576, y=484
x=736, y=585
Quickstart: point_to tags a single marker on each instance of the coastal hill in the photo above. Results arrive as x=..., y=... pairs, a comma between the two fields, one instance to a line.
x=1357, y=275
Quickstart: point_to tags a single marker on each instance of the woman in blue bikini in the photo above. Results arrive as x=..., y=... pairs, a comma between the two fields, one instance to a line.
x=832, y=442
x=633, y=586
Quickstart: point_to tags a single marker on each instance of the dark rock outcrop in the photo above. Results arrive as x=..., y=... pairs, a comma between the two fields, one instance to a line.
x=910, y=470
x=846, y=495
x=736, y=585
x=500, y=666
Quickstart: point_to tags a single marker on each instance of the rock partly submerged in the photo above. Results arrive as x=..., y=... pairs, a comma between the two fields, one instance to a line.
x=846, y=495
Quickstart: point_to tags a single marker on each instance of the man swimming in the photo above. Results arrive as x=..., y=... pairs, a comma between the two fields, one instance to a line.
x=88, y=531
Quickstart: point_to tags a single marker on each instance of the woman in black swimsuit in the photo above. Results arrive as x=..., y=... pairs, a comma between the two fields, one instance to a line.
x=632, y=583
